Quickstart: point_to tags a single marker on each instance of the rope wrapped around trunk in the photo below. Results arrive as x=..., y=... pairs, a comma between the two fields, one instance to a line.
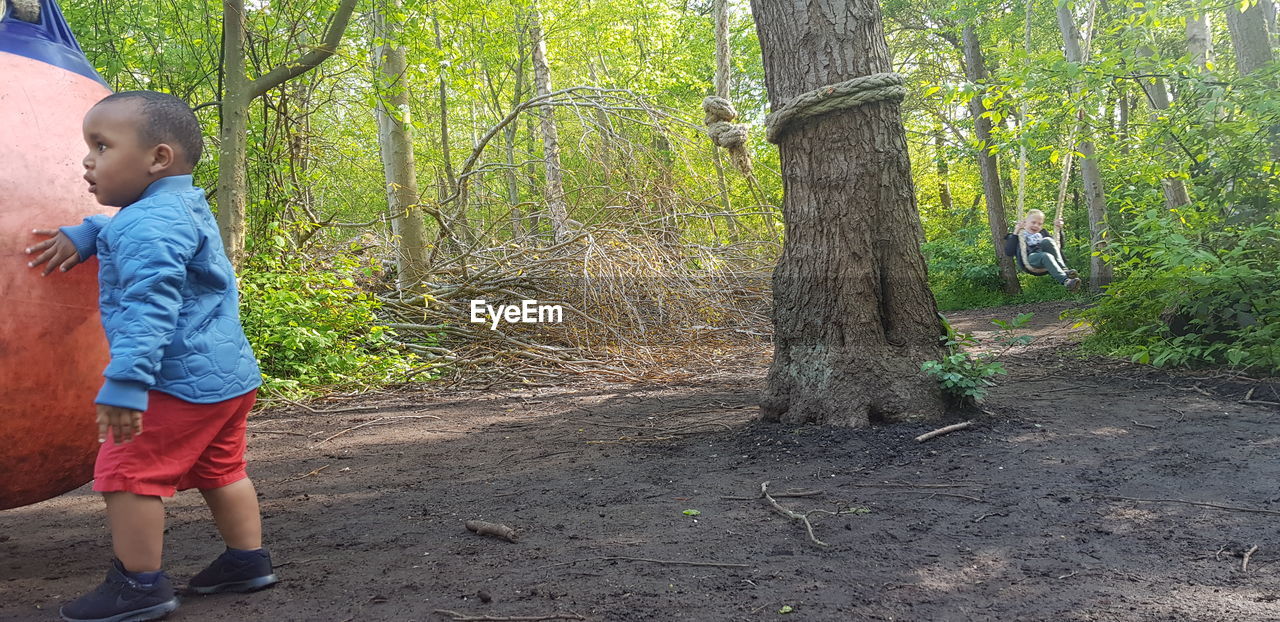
x=720, y=114
x=876, y=87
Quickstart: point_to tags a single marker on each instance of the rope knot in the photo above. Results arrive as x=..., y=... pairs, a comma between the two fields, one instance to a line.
x=724, y=133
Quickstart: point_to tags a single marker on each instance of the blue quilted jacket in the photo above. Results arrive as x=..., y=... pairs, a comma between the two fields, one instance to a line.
x=168, y=299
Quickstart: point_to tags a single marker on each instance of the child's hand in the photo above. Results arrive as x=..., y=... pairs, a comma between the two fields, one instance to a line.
x=59, y=252
x=123, y=423
x=1057, y=223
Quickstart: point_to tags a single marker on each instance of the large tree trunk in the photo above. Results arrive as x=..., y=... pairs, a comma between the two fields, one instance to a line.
x=1100, y=271
x=976, y=69
x=1249, y=36
x=395, y=143
x=557, y=210
x=853, y=314
x=240, y=91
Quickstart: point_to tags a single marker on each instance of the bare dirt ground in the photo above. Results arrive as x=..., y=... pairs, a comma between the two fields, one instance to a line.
x=1019, y=517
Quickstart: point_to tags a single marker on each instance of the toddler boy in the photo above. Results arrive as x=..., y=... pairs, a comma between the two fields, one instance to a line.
x=182, y=376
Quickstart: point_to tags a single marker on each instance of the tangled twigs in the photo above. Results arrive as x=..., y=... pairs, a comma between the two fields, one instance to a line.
x=623, y=299
x=803, y=518
x=458, y=617
x=497, y=530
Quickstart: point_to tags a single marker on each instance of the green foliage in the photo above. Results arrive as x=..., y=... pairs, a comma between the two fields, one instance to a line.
x=312, y=326
x=964, y=275
x=964, y=376
x=1191, y=298
x=1198, y=285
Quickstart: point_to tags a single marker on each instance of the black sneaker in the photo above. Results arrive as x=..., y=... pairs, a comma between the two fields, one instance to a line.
x=122, y=599
x=233, y=573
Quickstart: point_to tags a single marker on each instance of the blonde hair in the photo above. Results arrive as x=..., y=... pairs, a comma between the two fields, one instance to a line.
x=1033, y=212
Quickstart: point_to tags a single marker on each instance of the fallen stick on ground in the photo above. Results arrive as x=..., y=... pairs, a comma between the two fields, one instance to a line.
x=304, y=476
x=940, y=431
x=933, y=493
x=654, y=561
x=458, y=617
x=332, y=410
x=1199, y=503
x=1244, y=565
x=378, y=421
x=497, y=530
x=789, y=493
x=910, y=485
x=1144, y=425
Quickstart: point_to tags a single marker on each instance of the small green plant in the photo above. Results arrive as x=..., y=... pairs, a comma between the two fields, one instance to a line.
x=312, y=326
x=965, y=376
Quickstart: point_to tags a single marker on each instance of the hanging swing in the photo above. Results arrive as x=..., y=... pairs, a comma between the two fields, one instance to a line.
x=1016, y=246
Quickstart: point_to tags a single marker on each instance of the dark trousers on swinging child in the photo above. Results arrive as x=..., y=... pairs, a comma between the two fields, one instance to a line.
x=1046, y=258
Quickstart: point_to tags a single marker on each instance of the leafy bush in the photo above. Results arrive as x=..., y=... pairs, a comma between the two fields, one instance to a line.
x=1199, y=284
x=1193, y=299
x=965, y=377
x=312, y=326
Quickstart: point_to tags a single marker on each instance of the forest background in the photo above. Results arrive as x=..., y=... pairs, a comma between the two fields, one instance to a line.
x=448, y=151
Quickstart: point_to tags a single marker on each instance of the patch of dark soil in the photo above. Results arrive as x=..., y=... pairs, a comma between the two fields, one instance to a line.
x=1031, y=514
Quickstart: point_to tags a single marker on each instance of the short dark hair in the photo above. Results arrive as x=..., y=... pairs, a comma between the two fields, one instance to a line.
x=167, y=119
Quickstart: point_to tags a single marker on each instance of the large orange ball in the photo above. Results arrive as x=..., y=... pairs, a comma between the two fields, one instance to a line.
x=52, y=348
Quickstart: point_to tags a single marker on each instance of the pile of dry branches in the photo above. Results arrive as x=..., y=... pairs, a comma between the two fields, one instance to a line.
x=631, y=305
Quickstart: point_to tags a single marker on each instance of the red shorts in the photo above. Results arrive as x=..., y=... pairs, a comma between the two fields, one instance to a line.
x=182, y=445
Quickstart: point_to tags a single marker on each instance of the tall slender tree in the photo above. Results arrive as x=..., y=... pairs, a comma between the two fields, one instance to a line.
x=1100, y=271
x=395, y=144
x=240, y=90
x=557, y=211
x=976, y=70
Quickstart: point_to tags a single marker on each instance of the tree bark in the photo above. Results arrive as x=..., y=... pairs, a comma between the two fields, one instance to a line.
x=518, y=228
x=944, y=171
x=1174, y=188
x=395, y=144
x=976, y=70
x=1200, y=40
x=557, y=210
x=456, y=214
x=1100, y=271
x=1249, y=36
x=240, y=91
x=853, y=314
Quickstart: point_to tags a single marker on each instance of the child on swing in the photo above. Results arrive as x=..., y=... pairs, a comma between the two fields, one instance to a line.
x=1042, y=252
